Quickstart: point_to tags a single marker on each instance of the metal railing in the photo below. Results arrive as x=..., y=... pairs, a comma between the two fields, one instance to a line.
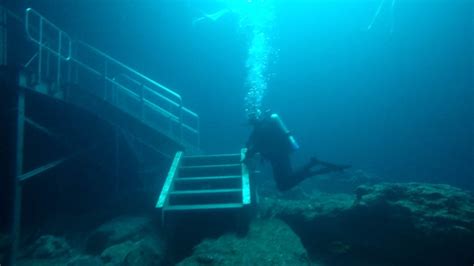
x=78, y=63
x=3, y=36
x=51, y=40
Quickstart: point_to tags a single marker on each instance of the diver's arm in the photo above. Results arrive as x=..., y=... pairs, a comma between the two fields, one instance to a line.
x=251, y=147
x=251, y=151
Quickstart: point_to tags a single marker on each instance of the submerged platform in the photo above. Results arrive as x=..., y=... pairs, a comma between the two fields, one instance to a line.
x=84, y=140
x=80, y=129
x=205, y=183
x=80, y=152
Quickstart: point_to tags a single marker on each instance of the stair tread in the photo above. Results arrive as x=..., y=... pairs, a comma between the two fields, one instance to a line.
x=212, y=156
x=217, y=159
x=205, y=178
x=203, y=207
x=211, y=166
x=205, y=191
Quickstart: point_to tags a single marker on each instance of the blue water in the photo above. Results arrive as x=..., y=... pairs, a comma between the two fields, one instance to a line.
x=395, y=100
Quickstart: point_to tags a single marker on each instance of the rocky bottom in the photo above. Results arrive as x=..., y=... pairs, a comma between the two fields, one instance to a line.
x=378, y=224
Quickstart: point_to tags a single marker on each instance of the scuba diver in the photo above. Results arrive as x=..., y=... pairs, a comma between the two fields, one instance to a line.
x=275, y=143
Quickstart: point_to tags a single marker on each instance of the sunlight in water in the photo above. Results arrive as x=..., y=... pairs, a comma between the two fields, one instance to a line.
x=256, y=20
x=379, y=9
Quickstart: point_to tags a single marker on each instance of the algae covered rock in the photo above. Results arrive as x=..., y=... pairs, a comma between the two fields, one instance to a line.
x=116, y=231
x=4, y=242
x=148, y=251
x=432, y=208
x=268, y=242
x=47, y=250
x=415, y=223
x=383, y=224
x=307, y=206
x=114, y=255
x=85, y=261
x=127, y=241
x=49, y=247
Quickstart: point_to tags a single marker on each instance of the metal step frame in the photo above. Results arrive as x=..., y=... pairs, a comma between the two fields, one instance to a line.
x=57, y=67
x=201, y=174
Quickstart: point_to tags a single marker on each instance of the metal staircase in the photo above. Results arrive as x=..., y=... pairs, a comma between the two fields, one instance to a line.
x=74, y=79
x=205, y=183
x=76, y=72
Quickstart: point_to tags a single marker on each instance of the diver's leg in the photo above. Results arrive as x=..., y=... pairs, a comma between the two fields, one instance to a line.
x=335, y=167
x=286, y=179
x=306, y=171
x=294, y=178
x=323, y=171
x=281, y=166
x=314, y=162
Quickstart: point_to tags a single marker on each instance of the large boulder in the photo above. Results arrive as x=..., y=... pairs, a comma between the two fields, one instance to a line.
x=402, y=224
x=124, y=241
x=147, y=251
x=300, y=205
x=49, y=247
x=118, y=230
x=4, y=242
x=432, y=208
x=114, y=255
x=47, y=250
x=268, y=242
x=84, y=260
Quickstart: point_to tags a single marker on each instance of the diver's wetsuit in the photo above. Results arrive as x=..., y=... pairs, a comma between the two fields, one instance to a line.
x=273, y=145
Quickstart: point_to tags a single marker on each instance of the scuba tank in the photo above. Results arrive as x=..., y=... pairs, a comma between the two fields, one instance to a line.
x=291, y=140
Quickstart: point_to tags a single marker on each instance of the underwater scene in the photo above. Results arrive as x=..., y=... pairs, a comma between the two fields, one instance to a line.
x=236, y=132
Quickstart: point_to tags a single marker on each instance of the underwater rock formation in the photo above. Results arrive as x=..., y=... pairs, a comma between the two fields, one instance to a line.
x=83, y=260
x=301, y=205
x=114, y=255
x=79, y=260
x=381, y=224
x=116, y=231
x=47, y=250
x=124, y=241
x=268, y=242
x=147, y=251
x=401, y=224
x=4, y=241
x=49, y=247
x=128, y=241
x=433, y=208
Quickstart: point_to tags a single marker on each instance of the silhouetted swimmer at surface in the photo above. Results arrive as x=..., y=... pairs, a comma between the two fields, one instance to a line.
x=275, y=143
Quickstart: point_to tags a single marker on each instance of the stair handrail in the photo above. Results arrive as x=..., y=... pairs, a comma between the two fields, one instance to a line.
x=44, y=45
x=69, y=54
x=136, y=82
x=129, y=69
x=61, y=35
x=194, y=129
x=167, y=186
x=245, y=178
x=155, y=88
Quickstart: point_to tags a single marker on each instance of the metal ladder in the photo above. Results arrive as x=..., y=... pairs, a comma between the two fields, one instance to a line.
x=205, y=183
